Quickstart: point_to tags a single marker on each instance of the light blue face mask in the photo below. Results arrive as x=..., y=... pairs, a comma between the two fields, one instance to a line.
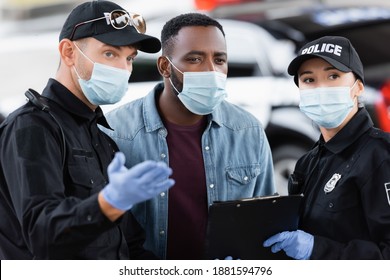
x=107, y=84
x=328, y=107
x=202, y=91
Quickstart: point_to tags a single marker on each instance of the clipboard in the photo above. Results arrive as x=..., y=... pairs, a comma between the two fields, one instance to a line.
x=238, y=228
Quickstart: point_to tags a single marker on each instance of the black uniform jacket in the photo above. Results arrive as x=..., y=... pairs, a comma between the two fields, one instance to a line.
x=346, y=183
x=49, y=208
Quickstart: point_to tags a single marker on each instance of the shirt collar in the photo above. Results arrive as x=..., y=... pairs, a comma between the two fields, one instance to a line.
x=357, y=126
x=150, y=113
x=217, y=115
x=58, y=93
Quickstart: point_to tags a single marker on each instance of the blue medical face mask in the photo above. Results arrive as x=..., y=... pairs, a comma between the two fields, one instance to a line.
x=328, y=107
x=107, y=84
x=202, y=91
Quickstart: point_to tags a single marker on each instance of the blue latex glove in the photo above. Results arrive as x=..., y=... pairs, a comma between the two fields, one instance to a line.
x=297, y=244
x=127, y=187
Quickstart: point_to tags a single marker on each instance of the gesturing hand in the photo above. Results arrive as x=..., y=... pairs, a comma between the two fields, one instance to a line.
x=127, y=187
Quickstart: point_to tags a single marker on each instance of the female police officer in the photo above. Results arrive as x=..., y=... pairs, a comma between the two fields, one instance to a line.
x=345, y=178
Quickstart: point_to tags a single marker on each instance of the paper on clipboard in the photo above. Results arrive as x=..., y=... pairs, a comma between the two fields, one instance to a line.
x=238, y=228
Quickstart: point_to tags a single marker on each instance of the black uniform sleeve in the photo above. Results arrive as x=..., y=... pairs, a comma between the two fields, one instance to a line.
x=375, y=196
x=52, y=223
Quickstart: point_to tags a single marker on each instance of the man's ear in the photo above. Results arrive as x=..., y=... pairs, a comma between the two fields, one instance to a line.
x=67, y=52
x=163, y=67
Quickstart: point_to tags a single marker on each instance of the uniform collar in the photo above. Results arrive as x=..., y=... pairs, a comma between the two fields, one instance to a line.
x=58, y=93
x=357, y=126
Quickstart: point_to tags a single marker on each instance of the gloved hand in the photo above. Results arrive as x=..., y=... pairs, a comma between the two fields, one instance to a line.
x=297, y=244
x=127, y=187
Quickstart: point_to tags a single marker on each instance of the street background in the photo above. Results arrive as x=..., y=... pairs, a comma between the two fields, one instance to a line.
x=29, y=36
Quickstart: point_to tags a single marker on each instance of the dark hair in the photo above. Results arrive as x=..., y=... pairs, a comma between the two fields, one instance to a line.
x=173, y=26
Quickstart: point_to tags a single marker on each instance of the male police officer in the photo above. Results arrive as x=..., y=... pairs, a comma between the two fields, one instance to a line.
x=57, y=198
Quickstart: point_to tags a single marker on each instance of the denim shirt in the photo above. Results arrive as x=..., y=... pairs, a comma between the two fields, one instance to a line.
x=236, y=154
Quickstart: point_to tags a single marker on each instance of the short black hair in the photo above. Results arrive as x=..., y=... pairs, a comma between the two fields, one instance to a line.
x=174, y=25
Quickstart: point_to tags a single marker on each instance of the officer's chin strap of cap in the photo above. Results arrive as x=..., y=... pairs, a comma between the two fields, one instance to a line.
x=37, y=100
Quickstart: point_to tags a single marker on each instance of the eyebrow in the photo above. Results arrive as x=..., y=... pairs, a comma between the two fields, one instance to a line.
x=204, y=53
x=135, y=52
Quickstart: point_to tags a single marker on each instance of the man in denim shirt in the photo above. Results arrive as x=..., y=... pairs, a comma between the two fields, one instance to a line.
x=217, y=150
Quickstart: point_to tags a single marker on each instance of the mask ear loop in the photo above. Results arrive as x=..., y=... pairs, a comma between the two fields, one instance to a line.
x=77, y=73
x=354, y=84
x=350, y=89
x=77, y=47
x=173, y=65
x=359, y=99
x=178, y=92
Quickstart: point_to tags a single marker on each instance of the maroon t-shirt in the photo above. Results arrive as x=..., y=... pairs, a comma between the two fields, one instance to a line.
x=187, y=206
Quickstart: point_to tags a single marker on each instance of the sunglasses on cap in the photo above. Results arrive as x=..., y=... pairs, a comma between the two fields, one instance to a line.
x=118, y=19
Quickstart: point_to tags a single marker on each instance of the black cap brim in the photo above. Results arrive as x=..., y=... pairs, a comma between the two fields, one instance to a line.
x=121, y=37
x=296, y=63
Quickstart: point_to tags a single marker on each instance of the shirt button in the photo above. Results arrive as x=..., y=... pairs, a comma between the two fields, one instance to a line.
x=91, y=181
x=163, y=155
x=162, y=194
x=331, y=205
x=89, y=218
x=246, y=178
x=207, y=148
x=162, y=232
x=211, y=186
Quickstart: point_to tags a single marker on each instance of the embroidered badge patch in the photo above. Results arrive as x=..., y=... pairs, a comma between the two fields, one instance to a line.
x=331, y=184
x=387, y=188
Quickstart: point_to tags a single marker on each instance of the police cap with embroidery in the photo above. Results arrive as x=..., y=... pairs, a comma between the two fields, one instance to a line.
x=337, y=51
x=109, y=23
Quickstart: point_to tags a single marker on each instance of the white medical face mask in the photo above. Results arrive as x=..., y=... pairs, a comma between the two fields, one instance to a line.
x=202, y=91
x=107, y=84
x=328, y=107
